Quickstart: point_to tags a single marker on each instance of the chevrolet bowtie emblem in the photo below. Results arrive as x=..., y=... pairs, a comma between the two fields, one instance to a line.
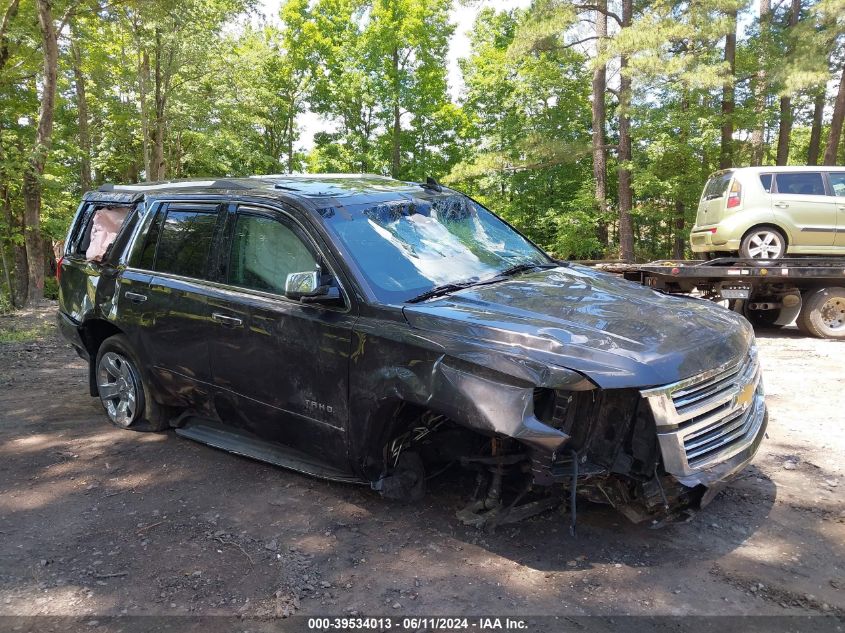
x=744, y=397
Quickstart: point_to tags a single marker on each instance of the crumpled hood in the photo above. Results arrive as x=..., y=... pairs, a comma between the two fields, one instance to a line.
x=617, y=333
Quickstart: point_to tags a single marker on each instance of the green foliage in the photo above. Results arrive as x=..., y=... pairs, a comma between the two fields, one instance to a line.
x=528, y=115
x=217, y=93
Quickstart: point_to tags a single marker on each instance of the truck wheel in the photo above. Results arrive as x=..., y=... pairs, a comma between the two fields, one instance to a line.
x=763, y=242
x=123, y=393
x=823, y=313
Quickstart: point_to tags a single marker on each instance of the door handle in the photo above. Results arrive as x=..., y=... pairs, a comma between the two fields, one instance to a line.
x=225, y=319
x=134, y=297
x=782, y=205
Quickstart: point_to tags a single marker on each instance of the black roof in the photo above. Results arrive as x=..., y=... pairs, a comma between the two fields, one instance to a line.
x=320, y=188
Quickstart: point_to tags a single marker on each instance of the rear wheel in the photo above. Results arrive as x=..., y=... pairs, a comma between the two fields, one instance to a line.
x=123, y=393
x=823, y=313
x=763, y=242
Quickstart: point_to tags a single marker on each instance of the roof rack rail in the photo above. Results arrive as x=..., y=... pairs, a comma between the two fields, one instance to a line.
x=222, y=183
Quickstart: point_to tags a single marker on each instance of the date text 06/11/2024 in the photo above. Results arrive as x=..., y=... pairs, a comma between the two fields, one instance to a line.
x=416, y=623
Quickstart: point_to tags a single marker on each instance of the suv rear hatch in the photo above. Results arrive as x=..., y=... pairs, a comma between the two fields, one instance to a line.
x=711, y=207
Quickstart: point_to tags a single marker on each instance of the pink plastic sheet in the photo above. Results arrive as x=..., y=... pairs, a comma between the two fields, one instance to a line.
x=104, y=227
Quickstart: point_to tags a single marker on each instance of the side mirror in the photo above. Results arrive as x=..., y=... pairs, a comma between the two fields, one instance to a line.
x=298, y=285
x=306, y=287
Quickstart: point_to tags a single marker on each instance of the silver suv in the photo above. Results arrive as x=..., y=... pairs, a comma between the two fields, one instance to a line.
x=769, y=212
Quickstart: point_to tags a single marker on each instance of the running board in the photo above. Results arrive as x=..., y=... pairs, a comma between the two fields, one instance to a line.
x=247, y=445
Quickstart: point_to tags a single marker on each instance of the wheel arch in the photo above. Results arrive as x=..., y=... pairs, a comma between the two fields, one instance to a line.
x=769, y=225
x=93, y=332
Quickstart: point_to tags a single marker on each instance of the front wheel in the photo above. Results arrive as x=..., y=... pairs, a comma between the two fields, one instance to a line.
x=121, y=388
x=823, y=313
x=763, y=243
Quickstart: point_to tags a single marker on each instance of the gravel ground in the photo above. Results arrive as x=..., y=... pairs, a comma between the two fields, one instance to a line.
x=96, y=521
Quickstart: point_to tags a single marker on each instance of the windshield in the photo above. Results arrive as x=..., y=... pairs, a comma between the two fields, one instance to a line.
x=409, y=246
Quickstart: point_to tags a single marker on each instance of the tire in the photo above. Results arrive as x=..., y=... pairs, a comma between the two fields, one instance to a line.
x=123, y=393
x=763, y=242
x=823, y=313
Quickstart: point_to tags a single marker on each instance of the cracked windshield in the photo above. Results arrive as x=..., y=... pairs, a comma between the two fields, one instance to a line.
x=407, y=247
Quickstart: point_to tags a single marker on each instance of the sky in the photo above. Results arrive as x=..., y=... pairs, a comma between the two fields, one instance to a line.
x=462, y=16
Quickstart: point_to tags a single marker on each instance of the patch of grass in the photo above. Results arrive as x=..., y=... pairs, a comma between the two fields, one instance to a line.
x=26, y=334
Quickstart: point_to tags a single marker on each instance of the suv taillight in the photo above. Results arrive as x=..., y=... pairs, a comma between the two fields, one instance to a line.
x=735, y=195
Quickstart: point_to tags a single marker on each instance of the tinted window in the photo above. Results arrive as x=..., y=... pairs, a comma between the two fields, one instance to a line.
x=185, y=242
x=408, y=246
x=837, y=183
x=766, y=181
x=264, y=253
x=717, y=185
x=144, y=251
x=806, y=183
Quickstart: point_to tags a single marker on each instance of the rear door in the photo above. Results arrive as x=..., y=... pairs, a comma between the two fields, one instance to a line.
x=800, y=203
x=836, y=179
x=175, y=334
x=280, y=366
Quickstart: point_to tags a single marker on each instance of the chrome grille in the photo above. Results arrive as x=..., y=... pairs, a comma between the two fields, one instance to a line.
x=708, y=418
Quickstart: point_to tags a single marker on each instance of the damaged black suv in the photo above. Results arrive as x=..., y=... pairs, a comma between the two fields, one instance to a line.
x=368, y=330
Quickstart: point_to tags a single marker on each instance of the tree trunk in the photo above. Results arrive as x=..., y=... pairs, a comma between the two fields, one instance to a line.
x=157, y=163
x=626, y=227
x=784, y=130
x=20, y=278
x=726, y=153
x=599, y=116
x=758, y=135
x=396, y=155
x=291, y=123
x=816, y=132
x=680, y=242
x=143, y=84
x=785, y=126
x=680, y=237
x=8, y=16
x=143, y=72
x=85, y=178
x=38, y=156
x=836, y=123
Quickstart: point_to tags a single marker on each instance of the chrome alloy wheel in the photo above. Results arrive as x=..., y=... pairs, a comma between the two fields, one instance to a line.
x=764, y=244
x=118, y=388
x=833, y=313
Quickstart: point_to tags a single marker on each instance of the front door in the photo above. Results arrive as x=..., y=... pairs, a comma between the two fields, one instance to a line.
x=837, y=185
x=800, y=201
x=280, y=366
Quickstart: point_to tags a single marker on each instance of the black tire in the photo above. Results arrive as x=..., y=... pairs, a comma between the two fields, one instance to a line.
x=116, y=360
x=763, y=242
x=823, y=313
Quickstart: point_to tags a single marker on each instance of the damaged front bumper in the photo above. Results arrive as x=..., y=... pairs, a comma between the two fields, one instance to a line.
x=709, y=427
x=704, y=431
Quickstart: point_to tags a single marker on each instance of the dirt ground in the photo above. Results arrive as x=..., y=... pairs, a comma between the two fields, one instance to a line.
x=95, y=521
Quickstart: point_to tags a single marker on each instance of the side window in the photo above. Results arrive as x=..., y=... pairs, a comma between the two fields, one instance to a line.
x=808, y=183
x=185, y=242
x=264, y=252
x=144, y=250
x=837, y=183
x=766, y=181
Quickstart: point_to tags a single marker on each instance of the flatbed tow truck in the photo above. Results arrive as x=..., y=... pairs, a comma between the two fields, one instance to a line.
x=770, y=293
